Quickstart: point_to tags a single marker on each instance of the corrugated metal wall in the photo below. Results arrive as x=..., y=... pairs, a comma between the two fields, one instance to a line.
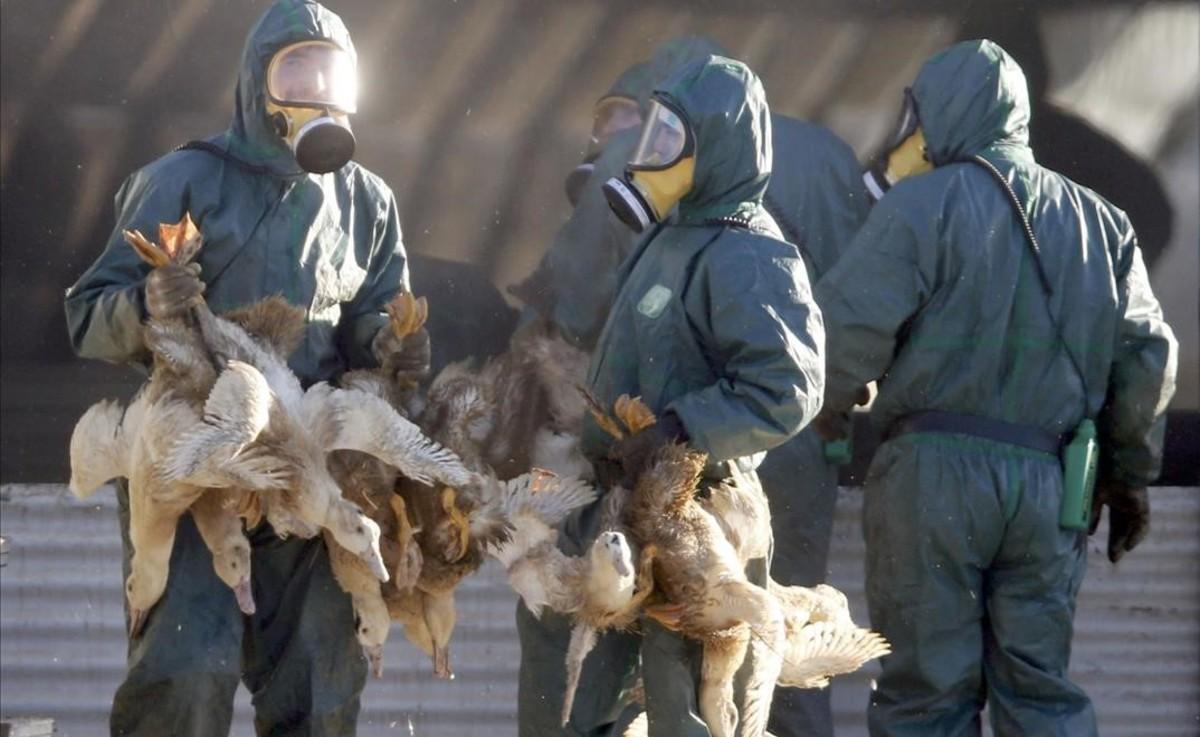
x=1137, y=646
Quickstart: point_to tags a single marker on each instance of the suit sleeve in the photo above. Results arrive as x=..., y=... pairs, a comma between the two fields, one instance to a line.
x=387, y=275
x=1141, y=382
x=106, y=307
x=874, y=289
x=757, y=316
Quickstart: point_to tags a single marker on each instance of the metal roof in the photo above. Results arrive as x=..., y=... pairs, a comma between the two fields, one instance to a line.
x=62, y=645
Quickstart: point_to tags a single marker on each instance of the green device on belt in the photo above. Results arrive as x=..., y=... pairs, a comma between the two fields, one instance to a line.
x=839, y=452
x=1079, y=477
x=1080, y=456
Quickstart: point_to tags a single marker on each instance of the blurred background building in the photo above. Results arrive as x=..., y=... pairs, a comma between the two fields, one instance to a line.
x=474, y=111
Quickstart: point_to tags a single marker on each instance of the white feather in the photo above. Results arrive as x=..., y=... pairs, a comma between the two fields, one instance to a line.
x=367, y=423
x=547, y=495
x=528, y=532
x=236, y=411
x=99, y=448
x=825, y=649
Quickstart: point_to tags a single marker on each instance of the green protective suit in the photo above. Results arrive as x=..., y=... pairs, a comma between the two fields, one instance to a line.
x=968, y=573
x=713, y=321
x=817, y=198
x=330, y=244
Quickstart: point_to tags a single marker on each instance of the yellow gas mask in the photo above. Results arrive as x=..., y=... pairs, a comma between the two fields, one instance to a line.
x=311, y=90
x=903, y=155
x=659, y=175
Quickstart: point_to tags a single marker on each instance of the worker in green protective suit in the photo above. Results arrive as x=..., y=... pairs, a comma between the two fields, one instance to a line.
x=818, y=200
x=282, y=210
x=989, y=353
x=714, y=327
x=713, y=324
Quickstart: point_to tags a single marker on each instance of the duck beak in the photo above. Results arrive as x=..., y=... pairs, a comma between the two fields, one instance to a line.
x=621, y=566
x=378, y=567
x=137, y=620
x=441, y=663
x=374, y=654
x=245, y=598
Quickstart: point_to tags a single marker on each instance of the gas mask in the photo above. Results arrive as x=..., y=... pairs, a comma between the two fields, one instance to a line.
x=660, y=173
x=902, y=155
x=311, y=90
x=610, y=116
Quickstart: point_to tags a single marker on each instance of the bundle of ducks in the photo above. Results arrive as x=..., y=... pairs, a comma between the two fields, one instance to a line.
x=224, y=430
x=666, y=553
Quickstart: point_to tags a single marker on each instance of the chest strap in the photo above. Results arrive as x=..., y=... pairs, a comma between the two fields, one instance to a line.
x=1024, y=436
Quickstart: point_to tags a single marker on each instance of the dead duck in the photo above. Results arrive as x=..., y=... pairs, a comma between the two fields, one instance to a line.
x=371, y=619
x=109, y=442
x=700, y=573
x=602, y=589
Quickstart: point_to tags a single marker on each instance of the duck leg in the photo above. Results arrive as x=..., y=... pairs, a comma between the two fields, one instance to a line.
x=722, y=658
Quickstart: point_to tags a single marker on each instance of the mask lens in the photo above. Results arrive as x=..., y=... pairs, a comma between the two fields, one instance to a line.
x=612, y=115
x=313, y=73
x=906, y=122
x=664, y=138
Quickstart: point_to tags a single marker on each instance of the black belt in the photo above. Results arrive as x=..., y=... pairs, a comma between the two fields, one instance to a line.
x=1025, y=436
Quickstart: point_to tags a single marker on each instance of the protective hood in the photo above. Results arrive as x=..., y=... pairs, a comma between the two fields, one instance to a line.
x=671, y=56
x=727, y=110
x=633, y=83
x=250, y=135
x=971, y=97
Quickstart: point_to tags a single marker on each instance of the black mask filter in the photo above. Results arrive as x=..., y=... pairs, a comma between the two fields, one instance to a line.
x=324, y=144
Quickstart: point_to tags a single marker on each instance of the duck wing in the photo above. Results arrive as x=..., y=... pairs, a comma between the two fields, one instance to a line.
x=237, y=409
x=100, y=447
x=822, y=650
x=351, y=419
x=547, y=495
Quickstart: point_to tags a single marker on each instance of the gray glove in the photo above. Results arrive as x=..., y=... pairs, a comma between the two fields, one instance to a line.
x=172, y=290
x=1128, y=515
x=408, y=357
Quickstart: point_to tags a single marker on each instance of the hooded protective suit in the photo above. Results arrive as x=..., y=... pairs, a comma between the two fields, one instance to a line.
x=330, y=244
x=969, y=575
x=731, y=341
x=816, y=196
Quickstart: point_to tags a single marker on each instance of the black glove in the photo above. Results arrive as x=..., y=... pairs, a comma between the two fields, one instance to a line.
x=172, y=290
x=1128, y=515
x=832, y=426
x=635, y=451
x=407, y=357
